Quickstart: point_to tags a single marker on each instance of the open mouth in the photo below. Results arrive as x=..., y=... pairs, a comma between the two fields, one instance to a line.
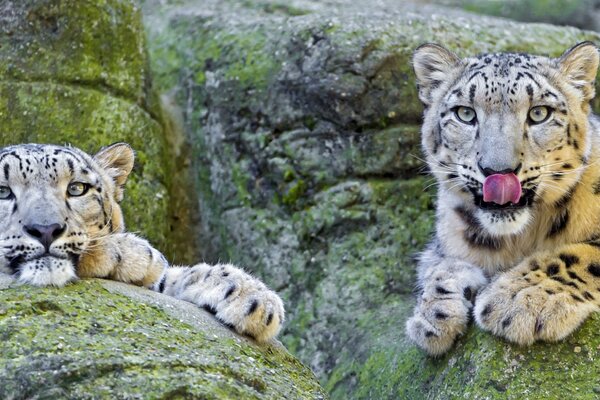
x=526, y=200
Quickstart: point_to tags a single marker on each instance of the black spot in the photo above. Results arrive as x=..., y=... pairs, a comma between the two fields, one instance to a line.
x=594, y=269
x=549, y=291
x=568, y=259
x=486, y=310
x=565, y=199
x=506, y=322
x=534, y=265
x=596, y=187
x=6, y=168
x=253, y=307
x=269, y=319
x=440, y=315
x=161, y=285
x=225, y=274
x=441, y=290
x=559, y=223
x=227, y=324
x=210, y=309
x=472, y=93
x=564, y=281
x=553, y=269
x=576, y=298
x=468, y=293
x=430, y=334
x=573, y=275
x=457, y=92
x=230, y=291
x=529, y=90
x=539, y=325
x=588, y=296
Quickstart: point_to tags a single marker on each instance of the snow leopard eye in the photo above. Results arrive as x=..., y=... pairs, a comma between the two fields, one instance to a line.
x=5, y=193
x=539, y=114
x=466, y=114
x=76, y=189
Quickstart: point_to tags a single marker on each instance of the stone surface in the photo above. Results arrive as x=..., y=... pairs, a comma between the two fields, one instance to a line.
x=103, y=339
x=302, y=120
x=98, y=44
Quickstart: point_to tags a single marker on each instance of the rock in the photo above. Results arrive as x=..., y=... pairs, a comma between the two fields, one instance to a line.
x=77, y=72
x=302, y=117
x=103, y=339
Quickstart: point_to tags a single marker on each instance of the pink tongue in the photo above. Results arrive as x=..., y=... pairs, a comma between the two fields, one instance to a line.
x=502, y=188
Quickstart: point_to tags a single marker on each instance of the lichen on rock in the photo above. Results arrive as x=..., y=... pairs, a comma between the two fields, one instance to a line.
x=102, y=339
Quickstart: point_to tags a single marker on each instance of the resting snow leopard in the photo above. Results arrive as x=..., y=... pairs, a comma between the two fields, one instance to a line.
x=516, y=152
x=61, y=220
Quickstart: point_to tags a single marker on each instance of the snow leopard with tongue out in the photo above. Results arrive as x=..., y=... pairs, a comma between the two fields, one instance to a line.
x=516, y=152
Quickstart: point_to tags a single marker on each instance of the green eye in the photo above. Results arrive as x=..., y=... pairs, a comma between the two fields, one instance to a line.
x=5, y=193
x=466, y=115
x=77, y=189
x=539, y=114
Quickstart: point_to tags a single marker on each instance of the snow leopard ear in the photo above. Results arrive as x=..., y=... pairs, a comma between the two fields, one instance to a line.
x=580, y=65
x=117, y=160
x=432, y=64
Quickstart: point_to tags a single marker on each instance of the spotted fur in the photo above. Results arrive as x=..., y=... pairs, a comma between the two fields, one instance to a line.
x=59, y=208
x=536, y=264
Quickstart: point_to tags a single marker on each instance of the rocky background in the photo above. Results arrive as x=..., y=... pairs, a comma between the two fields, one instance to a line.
x=283, y=136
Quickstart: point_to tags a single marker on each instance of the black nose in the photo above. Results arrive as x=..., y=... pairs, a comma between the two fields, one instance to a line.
x=46, y=234
x=490, y=171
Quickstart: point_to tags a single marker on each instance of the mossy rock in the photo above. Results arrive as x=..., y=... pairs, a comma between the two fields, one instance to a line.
x=98, y=44
x=101, y=339
x=303, y=121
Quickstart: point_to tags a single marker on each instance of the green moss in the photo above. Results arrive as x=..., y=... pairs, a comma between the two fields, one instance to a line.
x=98, y=44
x=251, y=66
x=82, y=341
x=243, y=54
x=294, y=193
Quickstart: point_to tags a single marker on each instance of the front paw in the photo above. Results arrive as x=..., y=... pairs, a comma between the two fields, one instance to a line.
x=435, y=325
x=237, y=299
x=524, y=306
x=442, y=313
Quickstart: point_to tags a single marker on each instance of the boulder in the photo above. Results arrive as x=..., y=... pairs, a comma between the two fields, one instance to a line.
x=302, y=121
x=104, y=339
